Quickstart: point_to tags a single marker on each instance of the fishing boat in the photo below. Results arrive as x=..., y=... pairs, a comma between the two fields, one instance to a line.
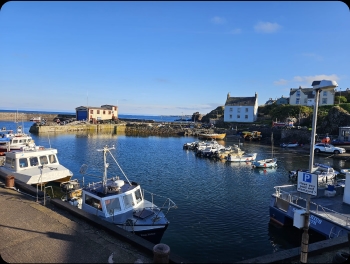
x=212, y=136
x=329, y=208
x=120, y=202
x=247, y=157
x=266, y=163
x=35, y=165
x=10, y=140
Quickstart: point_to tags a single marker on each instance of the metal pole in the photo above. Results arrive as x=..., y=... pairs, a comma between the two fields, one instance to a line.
x=305, y=236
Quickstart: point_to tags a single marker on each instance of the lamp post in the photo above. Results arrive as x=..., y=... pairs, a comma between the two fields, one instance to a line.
x=319, y=85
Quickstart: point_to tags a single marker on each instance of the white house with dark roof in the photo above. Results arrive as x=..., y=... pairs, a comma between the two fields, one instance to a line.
x=241, y=109
x=306, y=96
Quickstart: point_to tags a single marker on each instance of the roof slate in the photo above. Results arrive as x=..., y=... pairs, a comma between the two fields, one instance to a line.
x=241, y=101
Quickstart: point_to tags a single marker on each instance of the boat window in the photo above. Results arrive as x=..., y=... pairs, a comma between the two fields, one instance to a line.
x=8, y=161
x=93, y=202
x=14, y=141
x=52, y=158
x=112, y=205
x=23, y=163
x=138, y=196
x=43, y=160
x=128, y=201
x=33, y=161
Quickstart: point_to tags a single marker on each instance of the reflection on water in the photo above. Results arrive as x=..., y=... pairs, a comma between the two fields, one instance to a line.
x=223, y=207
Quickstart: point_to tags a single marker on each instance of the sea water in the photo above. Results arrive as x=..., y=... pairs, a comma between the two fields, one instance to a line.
x=223, y=207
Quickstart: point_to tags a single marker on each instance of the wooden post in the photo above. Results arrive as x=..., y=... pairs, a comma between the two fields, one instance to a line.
x=161, y=253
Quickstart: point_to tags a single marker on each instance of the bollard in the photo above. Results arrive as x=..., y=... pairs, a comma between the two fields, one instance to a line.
x=10, y=181
x=161, y=253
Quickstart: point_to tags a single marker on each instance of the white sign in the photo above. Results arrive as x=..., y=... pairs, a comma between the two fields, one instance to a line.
x=307, y=183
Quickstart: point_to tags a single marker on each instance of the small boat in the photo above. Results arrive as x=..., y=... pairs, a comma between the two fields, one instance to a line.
x=212, y=136
x=344, y=171
x=14, y=141
x=36, y=119
x=35, y=165
x=120, y=202
x=266, y=163
x=325, y=173
x=289, y=145
x=238, y=157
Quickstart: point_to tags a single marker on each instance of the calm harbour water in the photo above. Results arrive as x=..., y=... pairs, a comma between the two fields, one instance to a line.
x=222, y=214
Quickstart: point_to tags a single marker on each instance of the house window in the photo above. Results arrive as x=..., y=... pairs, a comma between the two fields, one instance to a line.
x=98, y=111
x=104, y=112
x=297, y=101
x=324, y=100
x=297, y=94
x=324, y=93
x=238, y=110
x=305, y=100
x=109, y=112
x=238, y=116
x=246, y=116
x=230, y=109
x=230, y=116
x=246, y=110
x=91, y=111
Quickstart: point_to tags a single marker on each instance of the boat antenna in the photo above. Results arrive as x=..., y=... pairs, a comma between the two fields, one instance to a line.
x=48, y=136
x=119, y=165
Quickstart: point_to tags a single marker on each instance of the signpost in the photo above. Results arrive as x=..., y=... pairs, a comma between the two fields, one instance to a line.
x=307, y=183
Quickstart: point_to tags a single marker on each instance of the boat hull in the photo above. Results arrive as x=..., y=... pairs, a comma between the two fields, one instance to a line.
x=212, y=136
x=152, y=234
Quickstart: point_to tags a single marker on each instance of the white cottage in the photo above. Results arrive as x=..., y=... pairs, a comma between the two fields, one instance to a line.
x=241, y=109
x=306, y=96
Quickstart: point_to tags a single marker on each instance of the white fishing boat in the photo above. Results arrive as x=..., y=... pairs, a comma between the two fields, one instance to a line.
x=120, y=202
x=10, y=140
x=232, y=157
x=35, y=165
x=266, y=163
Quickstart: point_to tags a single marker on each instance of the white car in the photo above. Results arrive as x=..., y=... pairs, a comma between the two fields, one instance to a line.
x=324, y=147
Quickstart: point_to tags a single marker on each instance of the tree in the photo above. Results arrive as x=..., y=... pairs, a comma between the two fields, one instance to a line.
x=341, y=99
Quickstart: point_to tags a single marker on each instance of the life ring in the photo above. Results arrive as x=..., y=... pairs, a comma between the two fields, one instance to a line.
x=265, y=165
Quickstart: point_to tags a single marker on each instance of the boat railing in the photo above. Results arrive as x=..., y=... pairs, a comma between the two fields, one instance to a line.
x=289, y=196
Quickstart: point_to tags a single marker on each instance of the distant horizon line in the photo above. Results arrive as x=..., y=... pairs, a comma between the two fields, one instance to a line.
x=66, y=112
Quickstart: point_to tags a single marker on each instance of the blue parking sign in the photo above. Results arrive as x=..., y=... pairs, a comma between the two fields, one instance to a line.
x=307, y=177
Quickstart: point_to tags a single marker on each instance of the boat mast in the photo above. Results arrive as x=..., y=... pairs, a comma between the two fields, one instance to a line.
x=104, y=180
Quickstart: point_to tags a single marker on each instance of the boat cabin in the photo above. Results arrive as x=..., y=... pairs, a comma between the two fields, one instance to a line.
x=21, y=160
x=118, y=199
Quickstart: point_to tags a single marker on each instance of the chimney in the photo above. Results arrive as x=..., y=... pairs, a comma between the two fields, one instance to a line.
x=228, y=95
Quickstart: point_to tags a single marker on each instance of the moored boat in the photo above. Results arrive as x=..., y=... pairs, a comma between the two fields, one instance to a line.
x=120, y=202
x=14, y=141
x=266, y=163
x=212, y=136
x=35, y=165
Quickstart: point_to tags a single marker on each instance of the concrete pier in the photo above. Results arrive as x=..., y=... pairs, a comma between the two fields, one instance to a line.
x=34, y=233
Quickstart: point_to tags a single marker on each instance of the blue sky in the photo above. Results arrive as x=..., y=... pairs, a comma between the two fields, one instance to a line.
x=166, y=58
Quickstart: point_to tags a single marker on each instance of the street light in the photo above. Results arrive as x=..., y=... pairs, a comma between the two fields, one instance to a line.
x=324, y=85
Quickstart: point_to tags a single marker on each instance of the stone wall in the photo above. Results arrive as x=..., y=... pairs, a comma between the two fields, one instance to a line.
x=14, y=116
x=113, y=128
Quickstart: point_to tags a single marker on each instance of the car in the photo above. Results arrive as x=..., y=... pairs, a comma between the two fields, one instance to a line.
x=324, y=147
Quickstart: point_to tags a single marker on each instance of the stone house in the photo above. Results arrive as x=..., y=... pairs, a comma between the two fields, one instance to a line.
x=241, y=109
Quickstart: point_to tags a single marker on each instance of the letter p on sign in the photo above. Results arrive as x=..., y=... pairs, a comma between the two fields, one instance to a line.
x=307, y=177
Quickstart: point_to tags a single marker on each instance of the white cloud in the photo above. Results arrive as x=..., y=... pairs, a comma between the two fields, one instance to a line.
x=313, y=56
x=218, y=20
x=309, y=79
x=267, y=27
x=235, y=31
x=280, y=82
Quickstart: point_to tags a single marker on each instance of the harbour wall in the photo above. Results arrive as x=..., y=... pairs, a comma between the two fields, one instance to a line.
x=14, y=116
x=114, y=128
